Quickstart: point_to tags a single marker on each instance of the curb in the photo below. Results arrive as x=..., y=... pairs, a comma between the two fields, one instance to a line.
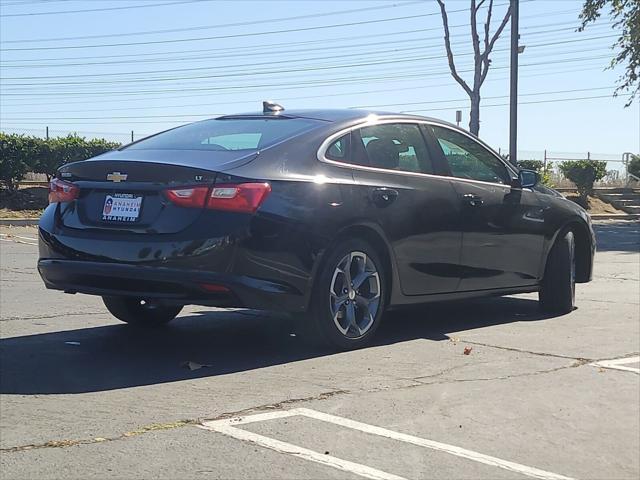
x=19, y=222
x=615, y=216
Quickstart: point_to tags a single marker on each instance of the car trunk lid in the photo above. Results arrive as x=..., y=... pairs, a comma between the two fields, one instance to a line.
x=130, y=194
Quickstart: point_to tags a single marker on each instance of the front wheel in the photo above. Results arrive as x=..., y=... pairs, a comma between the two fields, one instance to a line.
x=558, y=289
x=348, y=298
x=140, y=312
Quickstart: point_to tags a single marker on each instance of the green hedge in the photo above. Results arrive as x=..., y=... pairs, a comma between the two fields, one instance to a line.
x=584, y=173
x=21, y=154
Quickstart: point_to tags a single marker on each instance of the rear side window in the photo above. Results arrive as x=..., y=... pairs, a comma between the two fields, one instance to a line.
x=227, y=134
x=396, y=146
x=339, y=150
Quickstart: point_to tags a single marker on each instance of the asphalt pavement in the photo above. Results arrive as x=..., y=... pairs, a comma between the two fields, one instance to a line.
x=227, y=393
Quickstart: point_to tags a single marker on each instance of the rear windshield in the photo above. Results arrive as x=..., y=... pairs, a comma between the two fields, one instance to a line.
x=227, y=134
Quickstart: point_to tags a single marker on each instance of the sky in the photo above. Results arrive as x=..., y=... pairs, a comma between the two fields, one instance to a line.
x=105, y=68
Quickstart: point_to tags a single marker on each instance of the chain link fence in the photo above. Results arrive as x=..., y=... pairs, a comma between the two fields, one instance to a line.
x=617, y=171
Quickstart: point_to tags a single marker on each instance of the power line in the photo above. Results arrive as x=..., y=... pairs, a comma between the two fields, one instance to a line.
x=274, y=62
x=292, y=84
x=356, y=81
x=190, y=115
x=574, y=90
x=223, y=25
x=519, y=103
x=271, y=72
x=404, y=111
x=129, y=7
x=236, y=35
x=269, y=46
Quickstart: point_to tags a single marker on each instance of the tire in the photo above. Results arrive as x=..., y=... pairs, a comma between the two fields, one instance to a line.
x=558, y=290
x=345, y=315
x=140, y=313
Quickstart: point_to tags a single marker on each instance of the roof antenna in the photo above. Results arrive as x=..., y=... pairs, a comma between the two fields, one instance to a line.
x=271, y=107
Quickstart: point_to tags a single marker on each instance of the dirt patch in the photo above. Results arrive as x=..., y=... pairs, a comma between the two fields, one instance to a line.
x=595, y=205
x=6, y=213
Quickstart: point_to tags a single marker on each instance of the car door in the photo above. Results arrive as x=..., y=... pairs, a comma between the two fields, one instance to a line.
x=503, y=226
x=395, y=187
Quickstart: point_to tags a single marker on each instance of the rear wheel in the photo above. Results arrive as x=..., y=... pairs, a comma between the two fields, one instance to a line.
x=558, y=290
x=348, y=299
x=141, y=312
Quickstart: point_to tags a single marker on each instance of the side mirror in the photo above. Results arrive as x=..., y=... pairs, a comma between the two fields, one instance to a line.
x=527, y=179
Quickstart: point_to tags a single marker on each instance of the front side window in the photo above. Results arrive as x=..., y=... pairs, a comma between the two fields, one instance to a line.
x=468, y=159
x=395, y=146
x=227, y=134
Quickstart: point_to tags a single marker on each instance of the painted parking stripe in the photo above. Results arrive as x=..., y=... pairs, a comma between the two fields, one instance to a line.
x=619, y=364
x=300, y=452
x=227, y=427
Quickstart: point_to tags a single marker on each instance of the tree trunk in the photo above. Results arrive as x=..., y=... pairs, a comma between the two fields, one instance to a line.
x=474, y=114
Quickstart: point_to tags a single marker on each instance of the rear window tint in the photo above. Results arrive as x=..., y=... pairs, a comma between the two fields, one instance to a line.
x=227, y=134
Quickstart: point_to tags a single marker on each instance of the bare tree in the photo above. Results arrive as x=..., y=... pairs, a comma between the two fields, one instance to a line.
x=480, y=55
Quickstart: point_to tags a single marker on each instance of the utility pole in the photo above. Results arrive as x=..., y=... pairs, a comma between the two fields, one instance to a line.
x=47, y=133
x=131, y=136
x=513, y=101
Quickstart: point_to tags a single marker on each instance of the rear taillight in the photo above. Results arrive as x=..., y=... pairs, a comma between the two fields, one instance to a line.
x=61, y=191
x=191, y=197
x=244, y=198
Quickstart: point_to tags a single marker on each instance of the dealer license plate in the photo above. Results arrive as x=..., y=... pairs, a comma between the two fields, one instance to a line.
x=121, y=207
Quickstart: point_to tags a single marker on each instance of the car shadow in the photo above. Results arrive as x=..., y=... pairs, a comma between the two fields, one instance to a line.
x=120, y=356
x=618, y=236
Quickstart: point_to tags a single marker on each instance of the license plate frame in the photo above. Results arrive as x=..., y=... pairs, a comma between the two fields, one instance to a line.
x=122, y=207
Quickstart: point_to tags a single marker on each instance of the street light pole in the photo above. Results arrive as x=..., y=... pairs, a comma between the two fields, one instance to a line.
x=513, y=101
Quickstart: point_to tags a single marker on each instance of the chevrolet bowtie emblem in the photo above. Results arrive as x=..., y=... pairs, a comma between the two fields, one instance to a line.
x=116, y=177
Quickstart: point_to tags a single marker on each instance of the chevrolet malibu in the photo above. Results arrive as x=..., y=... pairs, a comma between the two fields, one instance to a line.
x=334, y=215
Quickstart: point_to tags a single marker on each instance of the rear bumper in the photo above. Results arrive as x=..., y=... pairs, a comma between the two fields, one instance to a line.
x=169, y=285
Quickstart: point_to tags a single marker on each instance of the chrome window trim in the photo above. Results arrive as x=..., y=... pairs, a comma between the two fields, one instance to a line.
x=324, y=146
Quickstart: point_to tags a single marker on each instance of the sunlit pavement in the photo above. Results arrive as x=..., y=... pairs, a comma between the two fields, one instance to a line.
x=84, y=396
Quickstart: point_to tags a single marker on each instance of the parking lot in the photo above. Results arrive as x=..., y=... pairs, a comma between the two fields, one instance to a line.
x=236, y=394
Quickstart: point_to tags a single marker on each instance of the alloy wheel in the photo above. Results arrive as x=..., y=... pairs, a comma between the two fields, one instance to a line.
x=355, y=294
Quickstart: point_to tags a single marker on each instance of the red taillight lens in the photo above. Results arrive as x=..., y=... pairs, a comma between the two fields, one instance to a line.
x=244, y=198
x=191, y=197
x=61, y=191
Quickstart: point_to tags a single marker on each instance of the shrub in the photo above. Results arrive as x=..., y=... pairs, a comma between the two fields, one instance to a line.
x=584, y=173
x=72, y=148
x=21, y=154
x=16, y=158
x=634, y=165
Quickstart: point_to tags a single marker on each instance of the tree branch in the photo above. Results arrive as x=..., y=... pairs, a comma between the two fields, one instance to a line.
x=490, y=43
x=447, y=43
x=487, y=26
x=475, y=42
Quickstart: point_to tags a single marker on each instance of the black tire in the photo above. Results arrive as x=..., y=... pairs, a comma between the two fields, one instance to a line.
x=138, y=312
x=321, y=327
x=558, y=290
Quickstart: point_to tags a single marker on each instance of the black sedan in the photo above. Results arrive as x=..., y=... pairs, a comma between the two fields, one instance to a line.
x=339, y=214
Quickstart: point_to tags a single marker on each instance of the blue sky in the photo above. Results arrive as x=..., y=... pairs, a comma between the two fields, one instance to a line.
x=101, y=73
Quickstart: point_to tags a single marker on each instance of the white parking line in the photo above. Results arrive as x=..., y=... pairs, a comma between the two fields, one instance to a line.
x=227, y=427
x=619, y=364
x=10, y=238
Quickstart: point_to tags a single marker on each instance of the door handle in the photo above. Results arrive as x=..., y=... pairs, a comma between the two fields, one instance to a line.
x=472, y=200
x=384, y=196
